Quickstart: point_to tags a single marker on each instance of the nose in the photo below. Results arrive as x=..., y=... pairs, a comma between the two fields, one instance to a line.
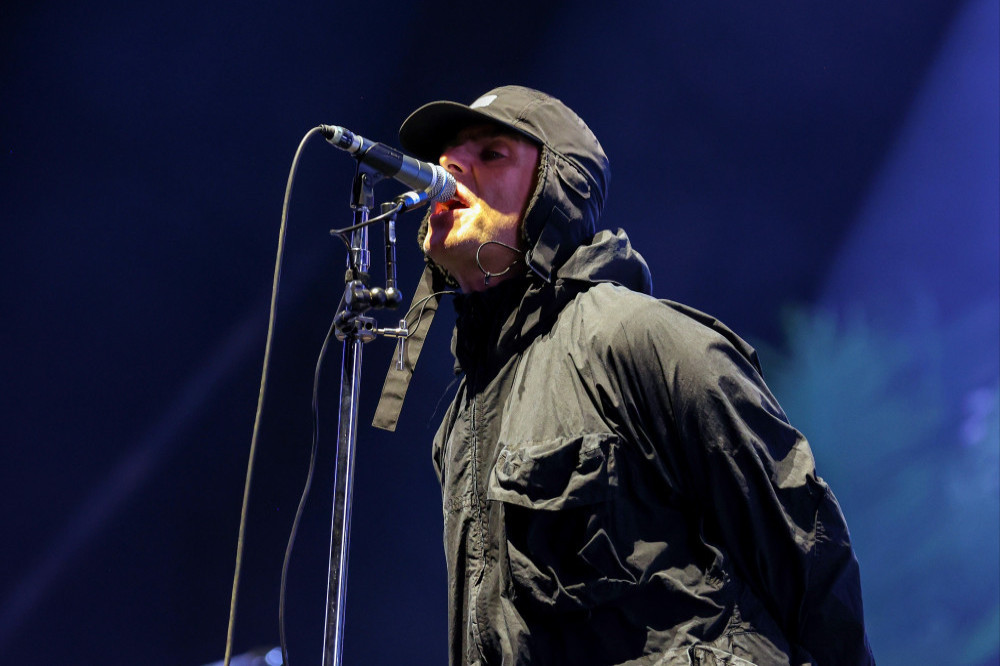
x=456, y=158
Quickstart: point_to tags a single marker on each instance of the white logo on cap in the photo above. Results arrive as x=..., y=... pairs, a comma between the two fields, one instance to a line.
x=485, y=100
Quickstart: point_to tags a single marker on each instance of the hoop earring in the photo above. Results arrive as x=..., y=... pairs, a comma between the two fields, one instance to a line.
x=489, y=274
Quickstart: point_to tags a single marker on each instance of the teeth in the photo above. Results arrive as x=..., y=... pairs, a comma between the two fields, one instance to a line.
x=451, y=204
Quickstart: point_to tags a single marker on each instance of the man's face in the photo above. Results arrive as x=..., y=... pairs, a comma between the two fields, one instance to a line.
x=495, y=173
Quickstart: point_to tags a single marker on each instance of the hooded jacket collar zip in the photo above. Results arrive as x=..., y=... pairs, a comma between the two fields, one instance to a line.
x=497, y=323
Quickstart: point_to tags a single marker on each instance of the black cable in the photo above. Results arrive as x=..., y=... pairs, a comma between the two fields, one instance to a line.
x=315, y=411
x=422, y=304
x=305, y=492
x=378, y=218
x=260, y=396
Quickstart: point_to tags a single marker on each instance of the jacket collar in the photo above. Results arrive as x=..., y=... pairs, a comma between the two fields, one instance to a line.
x=502, y=321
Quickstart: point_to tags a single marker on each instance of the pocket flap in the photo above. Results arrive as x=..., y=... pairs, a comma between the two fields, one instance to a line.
x=555, y=474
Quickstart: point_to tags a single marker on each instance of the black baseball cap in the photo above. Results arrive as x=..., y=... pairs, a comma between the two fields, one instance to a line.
x=530, y=113
x=429, y=128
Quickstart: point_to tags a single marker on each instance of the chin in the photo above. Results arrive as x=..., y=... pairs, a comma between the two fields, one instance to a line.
x=433, y=245
x=437, y=253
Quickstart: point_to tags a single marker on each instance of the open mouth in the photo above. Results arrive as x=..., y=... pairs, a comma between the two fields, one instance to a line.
x=450, y=204
x=454, y=203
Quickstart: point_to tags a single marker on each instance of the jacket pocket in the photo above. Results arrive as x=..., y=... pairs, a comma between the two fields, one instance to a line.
x=557, y=539
x=705, y=655
x=556, y=474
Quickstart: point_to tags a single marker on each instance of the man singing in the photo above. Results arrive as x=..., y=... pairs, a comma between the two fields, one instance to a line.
x=619, y=485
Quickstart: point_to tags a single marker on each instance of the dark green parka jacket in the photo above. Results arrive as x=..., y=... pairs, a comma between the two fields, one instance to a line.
x=619, y=486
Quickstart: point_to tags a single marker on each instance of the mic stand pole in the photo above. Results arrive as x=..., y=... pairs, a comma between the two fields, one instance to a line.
x=354, y=330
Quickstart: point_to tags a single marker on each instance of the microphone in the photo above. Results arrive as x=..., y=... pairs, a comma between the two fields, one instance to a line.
x=431, y=179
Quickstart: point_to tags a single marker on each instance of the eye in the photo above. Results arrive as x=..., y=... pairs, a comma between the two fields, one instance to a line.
x=489, y=155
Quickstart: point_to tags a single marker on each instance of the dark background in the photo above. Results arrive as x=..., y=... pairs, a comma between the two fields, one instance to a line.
x=821, y=176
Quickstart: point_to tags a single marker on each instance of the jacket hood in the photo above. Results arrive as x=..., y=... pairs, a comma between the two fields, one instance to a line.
x=564, y=254
x=573, y=170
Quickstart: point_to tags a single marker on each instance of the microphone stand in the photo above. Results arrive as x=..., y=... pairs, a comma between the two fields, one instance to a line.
x=354, y=329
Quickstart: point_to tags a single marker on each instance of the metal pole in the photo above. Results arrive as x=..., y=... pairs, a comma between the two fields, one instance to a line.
x=340, y=534
x=350, y=384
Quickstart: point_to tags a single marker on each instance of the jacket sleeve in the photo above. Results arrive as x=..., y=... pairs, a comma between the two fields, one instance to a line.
x=752, y=481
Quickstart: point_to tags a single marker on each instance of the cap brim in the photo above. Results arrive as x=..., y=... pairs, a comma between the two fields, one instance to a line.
x=428, y=129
